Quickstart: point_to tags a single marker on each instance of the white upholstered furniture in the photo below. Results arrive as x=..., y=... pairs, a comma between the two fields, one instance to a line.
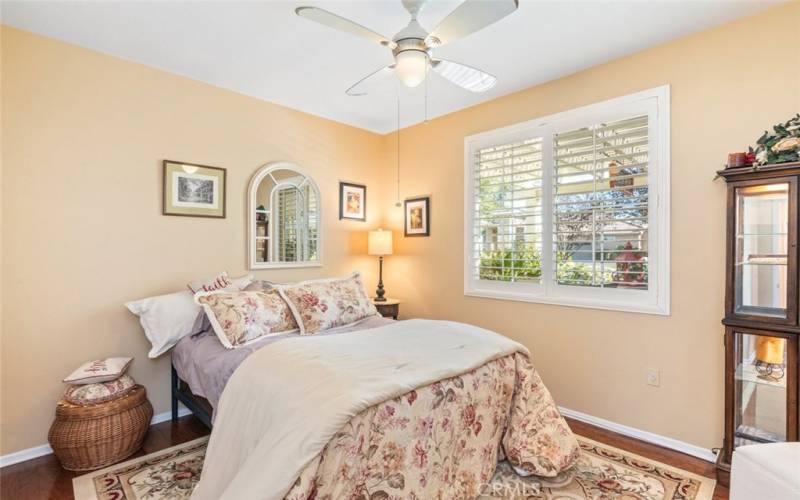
x=766, y=472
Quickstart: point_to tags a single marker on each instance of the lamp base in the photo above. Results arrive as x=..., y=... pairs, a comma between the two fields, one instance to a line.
x=379, y=292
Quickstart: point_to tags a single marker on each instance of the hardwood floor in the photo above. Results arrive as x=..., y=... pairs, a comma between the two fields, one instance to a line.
x=43, y=478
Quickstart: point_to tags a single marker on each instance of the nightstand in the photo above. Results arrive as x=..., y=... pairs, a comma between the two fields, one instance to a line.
x=389, y=308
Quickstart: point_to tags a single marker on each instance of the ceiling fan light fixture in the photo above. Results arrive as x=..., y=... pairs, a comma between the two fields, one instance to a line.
x=411, y=67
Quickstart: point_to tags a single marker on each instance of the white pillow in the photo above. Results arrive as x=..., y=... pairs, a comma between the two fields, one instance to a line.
x=168, y=318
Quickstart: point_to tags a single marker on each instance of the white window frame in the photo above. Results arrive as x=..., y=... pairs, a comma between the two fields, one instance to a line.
x=656, y=299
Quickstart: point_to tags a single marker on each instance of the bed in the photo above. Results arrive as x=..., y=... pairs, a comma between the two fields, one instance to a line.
x=405, y=432
x=201, y=366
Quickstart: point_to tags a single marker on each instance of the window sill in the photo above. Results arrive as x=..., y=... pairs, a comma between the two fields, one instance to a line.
x=283, y=265
x=584, y=303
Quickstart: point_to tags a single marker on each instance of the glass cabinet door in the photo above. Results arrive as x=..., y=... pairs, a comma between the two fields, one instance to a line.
x=762, y=371
x=763, y=264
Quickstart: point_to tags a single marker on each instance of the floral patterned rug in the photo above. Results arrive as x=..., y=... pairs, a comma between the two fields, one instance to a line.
x=602, y=473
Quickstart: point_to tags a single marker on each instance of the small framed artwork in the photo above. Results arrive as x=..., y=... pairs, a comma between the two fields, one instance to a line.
x=352, y=201
x=193, y=190
x=418, y=216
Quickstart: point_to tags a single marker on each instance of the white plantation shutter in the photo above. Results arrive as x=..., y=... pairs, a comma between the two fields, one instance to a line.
x=600, y=205
x=573, y=208
x=312, y=235
x=287, y=228
x=507, y=219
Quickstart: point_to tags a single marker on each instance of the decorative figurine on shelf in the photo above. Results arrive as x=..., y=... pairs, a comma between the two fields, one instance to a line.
x=738, y=160
x=769, y=360
x=261, y=213
x=780, y=146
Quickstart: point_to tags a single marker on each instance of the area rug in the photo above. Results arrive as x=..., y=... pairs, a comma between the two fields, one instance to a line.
x=603, y=472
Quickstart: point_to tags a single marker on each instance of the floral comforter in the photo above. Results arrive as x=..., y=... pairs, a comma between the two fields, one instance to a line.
x=444, y=440
x=415, y=409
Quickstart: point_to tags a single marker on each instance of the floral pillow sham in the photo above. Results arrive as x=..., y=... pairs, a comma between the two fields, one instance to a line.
x=240, y=317
x=322, y=304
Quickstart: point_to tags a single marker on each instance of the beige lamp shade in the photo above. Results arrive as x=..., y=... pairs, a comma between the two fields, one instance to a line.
x=380, y=242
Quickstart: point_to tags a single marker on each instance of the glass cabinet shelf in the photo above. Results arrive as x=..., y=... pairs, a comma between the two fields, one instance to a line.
x=761, y=234
x=747, y=374
x=765, y=261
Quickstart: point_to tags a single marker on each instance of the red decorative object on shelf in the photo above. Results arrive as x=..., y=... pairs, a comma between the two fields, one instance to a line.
x=737, y=160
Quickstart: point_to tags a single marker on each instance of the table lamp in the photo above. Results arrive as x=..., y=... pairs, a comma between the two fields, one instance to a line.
x=380, y=244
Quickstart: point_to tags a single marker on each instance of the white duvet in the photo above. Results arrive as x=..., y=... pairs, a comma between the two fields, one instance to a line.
x=285, y=402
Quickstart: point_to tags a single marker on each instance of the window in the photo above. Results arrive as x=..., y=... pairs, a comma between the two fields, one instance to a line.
x=572, y=209
x=508, y=185
x=600, y=193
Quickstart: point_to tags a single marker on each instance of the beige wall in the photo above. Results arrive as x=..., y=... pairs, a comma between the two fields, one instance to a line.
x=727, y=85
x=84, y=135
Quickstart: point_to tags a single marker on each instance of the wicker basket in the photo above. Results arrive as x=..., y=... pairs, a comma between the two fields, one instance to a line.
x=94, y=436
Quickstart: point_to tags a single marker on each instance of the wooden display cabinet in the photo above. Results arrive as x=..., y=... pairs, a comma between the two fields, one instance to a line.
x=761, y=309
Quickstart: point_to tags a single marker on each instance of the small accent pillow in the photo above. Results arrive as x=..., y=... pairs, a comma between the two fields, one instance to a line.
x=322, y=304
x=99, y=393
x=101, y=370
x=239, y=318
x=220, y=282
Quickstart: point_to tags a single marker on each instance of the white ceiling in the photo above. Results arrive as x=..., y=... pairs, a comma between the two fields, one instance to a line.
x=263, y=50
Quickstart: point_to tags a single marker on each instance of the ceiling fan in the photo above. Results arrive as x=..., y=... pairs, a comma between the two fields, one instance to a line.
x=412, y=46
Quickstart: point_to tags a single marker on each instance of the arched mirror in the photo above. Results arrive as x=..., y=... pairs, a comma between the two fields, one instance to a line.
x=284, y=218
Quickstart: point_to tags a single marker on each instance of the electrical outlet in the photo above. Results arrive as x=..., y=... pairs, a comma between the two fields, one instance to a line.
x=653, y=377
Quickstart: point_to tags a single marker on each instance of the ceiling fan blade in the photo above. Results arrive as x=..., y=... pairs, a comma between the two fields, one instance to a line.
x=331, y=20
x=366, y=84
x=469, y=17
x=464, y=76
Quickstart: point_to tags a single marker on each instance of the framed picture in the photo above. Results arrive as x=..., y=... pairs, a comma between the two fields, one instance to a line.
x=418, y=217
x=352, y=201
x=193, y=190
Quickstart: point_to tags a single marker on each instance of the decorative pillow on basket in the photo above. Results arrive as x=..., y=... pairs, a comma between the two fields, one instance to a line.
x=89, y=394
x=322, y=304
x=242, y=317
x=101, y=370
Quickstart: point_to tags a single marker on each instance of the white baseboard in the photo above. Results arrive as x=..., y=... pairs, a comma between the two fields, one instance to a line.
x=45, y=449
x=649, y=437
x=23, y=455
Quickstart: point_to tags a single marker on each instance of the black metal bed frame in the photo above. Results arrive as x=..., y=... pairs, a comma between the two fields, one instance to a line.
x=185, y=396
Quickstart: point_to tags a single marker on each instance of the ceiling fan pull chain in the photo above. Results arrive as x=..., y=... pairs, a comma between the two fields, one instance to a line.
x=427, y=69
x=397, y=202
